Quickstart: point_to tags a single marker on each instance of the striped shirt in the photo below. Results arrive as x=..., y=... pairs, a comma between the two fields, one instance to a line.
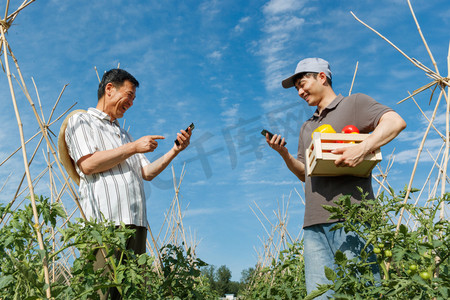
x=118, y=193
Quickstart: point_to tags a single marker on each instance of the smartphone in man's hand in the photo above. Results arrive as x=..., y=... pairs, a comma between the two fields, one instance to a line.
x=192, y=126
x=264, y=132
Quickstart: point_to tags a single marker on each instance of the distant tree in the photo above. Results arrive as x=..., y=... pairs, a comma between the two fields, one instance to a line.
x=209, y=273
x=246, y=275
x=234, y=287
x=220, y=280
x=223, y=278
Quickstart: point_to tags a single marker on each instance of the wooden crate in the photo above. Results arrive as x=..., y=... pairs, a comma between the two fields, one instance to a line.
x=320, y=160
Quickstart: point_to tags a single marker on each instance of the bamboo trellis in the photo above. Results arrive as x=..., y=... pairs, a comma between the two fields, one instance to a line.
x=438, y=81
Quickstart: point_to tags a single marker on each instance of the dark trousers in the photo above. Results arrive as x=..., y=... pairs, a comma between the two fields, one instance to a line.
x=136, y=243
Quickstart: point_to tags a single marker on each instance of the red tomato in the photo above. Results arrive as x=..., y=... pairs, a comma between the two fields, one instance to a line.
x=350, y=129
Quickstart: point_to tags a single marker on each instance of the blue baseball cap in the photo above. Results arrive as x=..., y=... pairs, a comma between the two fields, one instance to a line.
x=308, y=65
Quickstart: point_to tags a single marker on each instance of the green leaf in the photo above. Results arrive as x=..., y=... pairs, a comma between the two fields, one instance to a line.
x=42, y=253
x=340, y=257
x=330, y=274
x=97, y=236
x=142, y=259
x=5, y=281
x=437, y=243
x=316, y=293
x=403, y=229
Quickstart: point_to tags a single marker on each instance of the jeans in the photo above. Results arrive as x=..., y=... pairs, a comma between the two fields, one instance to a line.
x=320, y=245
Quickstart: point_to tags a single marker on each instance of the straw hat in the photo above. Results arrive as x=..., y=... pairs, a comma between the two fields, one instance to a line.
x=63, y=152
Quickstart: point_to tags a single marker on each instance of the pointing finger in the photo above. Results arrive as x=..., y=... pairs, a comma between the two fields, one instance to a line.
x=157, y=137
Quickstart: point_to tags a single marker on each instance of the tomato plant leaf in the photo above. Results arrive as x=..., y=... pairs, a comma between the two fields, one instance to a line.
x=330, y=274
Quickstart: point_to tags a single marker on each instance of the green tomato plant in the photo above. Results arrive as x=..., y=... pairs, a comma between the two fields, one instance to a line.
x=398, y=253
x=283, y=279
x=21, y=261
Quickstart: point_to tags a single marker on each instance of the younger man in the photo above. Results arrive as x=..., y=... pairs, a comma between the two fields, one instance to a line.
x=312, y=80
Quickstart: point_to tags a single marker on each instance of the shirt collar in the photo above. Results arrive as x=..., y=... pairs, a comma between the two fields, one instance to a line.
x=331, y=106
x=101, y=115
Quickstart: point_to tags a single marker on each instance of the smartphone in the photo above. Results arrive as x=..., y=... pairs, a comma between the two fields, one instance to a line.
x=192, y=126
x=264, y=132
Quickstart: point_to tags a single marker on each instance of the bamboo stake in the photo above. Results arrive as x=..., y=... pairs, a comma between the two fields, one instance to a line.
x=30, y=185
x=57, y=102
x=6, y=10
x=385, y=174
x=43, y=130
x=414, y=61
x=408, y=191
x=423, y=38
x=353, y=80
x=24, y=4
x=442, y=212
x=21, y=181
x=159, y=270
x=96, y=72
x=39, y=100
x=427, y=179
x=447, y=146
x=180, y=218
x=419, y=90
x=425, y=116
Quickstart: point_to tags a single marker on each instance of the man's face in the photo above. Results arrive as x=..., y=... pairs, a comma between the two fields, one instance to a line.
x=119, y=99
x=309, y=88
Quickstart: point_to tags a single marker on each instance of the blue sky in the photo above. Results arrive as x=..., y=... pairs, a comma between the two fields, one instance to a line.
x=220, y=64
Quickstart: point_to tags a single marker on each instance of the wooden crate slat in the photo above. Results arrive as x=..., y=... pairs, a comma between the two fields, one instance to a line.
x=320, y=160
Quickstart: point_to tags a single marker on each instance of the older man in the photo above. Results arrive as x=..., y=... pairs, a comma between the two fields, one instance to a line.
x=111, y=165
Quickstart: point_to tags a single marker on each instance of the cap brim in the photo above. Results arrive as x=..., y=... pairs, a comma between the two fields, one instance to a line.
x=63, y=152
x=288, y=82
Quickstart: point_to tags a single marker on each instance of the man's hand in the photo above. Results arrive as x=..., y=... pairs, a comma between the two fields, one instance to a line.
x=350, y=156
x=294, y=165
x=183, y=138
x=389, y=126
x=275, y=143
x=147, y=143
x=153, y=169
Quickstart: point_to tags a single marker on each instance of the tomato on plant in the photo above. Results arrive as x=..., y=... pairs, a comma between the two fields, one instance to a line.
x=388, y=253
x=413, y=267
x=381, y=245
x=425, y=275
x=376, y=250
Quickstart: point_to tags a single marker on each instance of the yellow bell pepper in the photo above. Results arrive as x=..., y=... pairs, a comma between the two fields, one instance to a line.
x=325, y=128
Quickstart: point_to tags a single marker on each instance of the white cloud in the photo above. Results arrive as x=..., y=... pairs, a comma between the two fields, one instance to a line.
x=432, y=148
x=439, y=120
x=281, y=25
x=216, y=55
x=202, y=212
x=209, y=8
x=406, y=156
x=409, y=136
x=239, y=27
x=231, y=114
x=274, y=7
